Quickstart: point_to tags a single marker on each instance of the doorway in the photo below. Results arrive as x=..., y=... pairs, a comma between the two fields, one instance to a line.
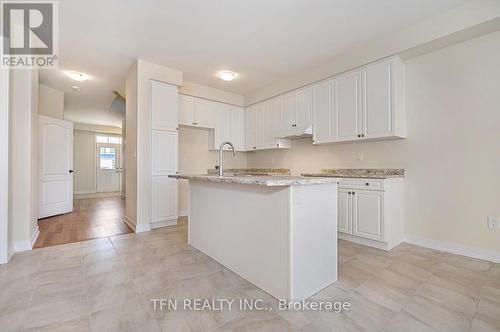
x=109, y=168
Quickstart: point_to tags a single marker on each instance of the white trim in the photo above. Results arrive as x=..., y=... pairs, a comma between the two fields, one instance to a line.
x=165, y=223
x=142, y=228
x=454, y=248
x=83, y=192
x=367, y=242
x=130, y=223
x=183, y=213
x=22, y=246
x=35, y=235
x=4, y=164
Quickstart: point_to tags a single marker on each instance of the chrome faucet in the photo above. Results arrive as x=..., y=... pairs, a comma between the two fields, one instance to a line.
x=221, y=156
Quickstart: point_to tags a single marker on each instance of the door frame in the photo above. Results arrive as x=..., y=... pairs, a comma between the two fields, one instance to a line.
x=4, y=164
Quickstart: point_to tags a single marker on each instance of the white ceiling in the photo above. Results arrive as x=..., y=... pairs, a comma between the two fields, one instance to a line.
x=262, y=40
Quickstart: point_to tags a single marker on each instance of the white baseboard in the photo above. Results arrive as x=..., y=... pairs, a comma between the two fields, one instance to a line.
x=22, y=246
x=183, y=213
x=137, y=228
x=165, y=223
x=454, y=248
x=83, y=192
x=367, y=242
x=35, y=235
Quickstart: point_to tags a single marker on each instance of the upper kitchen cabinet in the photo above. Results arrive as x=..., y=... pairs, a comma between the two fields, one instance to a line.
x=347, y=110
x=296, y=110
x=322, y=109
x=164, y=106
x=383, y=99
x=229, y=126
x=251, y=128
x=196, y=112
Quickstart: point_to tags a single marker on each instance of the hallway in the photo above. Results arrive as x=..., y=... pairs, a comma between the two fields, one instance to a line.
x=91, y=218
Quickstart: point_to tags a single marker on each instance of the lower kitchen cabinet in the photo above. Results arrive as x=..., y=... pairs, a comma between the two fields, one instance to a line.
x=371, y=211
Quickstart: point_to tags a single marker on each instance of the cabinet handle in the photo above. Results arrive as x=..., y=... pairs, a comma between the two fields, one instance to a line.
x=359, y=135
x=354, y=193
x=362, y=135
x=367, y=183
x=278, y=144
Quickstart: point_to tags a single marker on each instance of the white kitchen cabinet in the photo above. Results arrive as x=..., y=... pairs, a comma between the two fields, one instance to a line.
x=368, y=217
x=322, y=107
x=164, y=105
x=344, y=211
x=229, y=125
x=237, y=128
x=383, y=104
x=164, y=152
x=371, y=211
x=186, y=110
x=297, y=108
x=204, y=113
x=303, y=111
x=251, y=128
x=164, y=201
x=348, y=113
x=197, y=112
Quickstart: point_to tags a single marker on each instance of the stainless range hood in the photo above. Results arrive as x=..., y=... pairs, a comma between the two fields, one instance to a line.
x=294, y=132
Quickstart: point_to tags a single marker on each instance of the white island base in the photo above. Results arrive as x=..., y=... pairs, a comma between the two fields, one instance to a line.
x=283, y=239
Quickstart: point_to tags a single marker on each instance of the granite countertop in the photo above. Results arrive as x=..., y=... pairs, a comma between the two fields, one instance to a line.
x=252, y=171
x=267, y=181
x=369, y=173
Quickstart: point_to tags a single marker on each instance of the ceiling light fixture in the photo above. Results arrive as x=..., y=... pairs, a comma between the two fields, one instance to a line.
x=77, y=76
x=227, y=75
x=75, y=87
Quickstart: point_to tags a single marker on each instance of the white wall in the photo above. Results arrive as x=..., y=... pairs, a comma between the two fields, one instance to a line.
x=4, y=164
x=195, y=158
x=23, y=179
x=50, y=102
x=451, y=154
x=131, y=146
x=84, y=159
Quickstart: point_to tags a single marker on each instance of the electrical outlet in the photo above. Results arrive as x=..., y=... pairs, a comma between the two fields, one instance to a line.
x=297, y=197
x=493, y=222
x=360, y=156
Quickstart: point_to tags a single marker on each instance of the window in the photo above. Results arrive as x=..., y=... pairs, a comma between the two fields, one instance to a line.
x=108, y=139
x=107, y=158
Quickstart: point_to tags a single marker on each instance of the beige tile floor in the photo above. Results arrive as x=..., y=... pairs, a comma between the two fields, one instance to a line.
x=105, y=285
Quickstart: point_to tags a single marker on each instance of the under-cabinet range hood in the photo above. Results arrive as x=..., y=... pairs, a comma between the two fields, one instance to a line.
x=294, y=132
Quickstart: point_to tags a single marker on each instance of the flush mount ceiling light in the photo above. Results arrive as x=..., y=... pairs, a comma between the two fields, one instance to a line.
x=227, y=75
x=75, y=87
x=77, y=76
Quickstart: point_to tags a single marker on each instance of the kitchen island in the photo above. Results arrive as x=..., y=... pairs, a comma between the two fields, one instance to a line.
x=278, y=232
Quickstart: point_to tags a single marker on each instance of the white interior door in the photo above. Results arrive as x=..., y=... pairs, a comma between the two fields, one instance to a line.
x=55, y=148
x=108, y=173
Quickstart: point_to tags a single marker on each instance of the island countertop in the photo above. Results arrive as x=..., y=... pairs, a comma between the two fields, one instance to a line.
x=267, y=181
x=369, y=173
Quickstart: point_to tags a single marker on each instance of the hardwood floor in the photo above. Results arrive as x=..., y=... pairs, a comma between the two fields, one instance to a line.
x=92, y=218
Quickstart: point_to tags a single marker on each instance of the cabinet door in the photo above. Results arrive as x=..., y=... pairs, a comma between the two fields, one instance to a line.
x=274, y=122
x=261, y=125
x=303, y=112
x=186, y=110
x=288, y=111
x=204, y=113
x=250, y=128
x=378, y=100
x=348, y=113
x=322, y=129
x=368, y=214
x=221, y=121
x=344, y=211
x=164, y=198
x=164, y=152
x=237, y=128
x=164, y=106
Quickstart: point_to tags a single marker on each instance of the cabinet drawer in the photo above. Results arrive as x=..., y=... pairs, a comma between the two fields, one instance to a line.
x=373, y=184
